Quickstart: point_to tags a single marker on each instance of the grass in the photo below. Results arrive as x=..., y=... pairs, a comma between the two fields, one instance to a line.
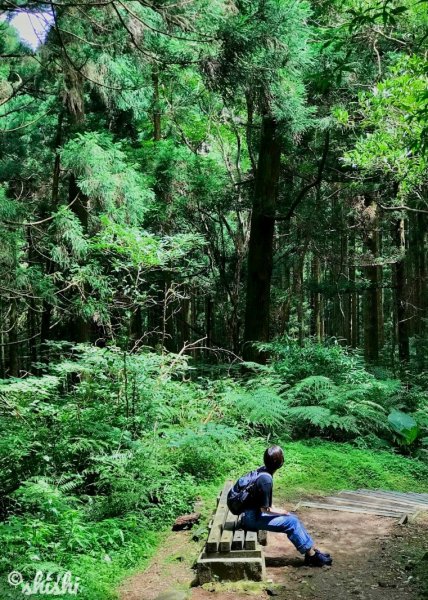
x=99, y=579
x=323, y=467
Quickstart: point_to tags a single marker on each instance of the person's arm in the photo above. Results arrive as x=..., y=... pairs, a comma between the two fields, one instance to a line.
x=274, y=513
x=265, y=484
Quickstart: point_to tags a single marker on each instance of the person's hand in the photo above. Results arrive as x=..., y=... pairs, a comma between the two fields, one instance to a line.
x=280, y=513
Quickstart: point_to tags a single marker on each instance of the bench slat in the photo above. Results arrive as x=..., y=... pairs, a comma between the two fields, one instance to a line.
x=238, y=539
x=219, y=519
x=228, y=531
x=233, y=554
x=250, y=540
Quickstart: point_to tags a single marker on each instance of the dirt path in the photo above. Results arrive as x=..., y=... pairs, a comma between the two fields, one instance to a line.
x=373, y=560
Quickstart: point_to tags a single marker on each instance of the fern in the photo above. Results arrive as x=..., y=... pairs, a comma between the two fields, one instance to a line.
x=31, y=388
x=358, y=408
x=322, y=418
x=260, y=407
x=311, y=390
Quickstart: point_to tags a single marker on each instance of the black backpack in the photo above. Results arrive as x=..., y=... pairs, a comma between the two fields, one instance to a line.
x=241, y=496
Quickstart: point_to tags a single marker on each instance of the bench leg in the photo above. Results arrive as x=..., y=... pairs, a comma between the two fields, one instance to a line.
x=235, y=569
x=262, y=537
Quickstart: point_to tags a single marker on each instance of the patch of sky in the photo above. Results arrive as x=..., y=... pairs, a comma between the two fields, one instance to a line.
x=32, y=27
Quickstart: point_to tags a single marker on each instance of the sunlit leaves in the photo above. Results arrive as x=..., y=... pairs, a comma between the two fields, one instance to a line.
x=106, y=177
x=393, y=115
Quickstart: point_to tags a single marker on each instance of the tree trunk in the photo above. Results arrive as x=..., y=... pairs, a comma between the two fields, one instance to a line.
x=344, y=294
x=80, y=326
x=2, y=342
x=13, y=341
x=209, y=305
x=400, y=285
x=353, y=296
x=136, y=328
x=380, y=299
x=185, y=317
x=159, y=317
x=45, y=321
x=421, y=293
x=316, y=299
x=262, y=229
x=157, y=131
x=300, y=296
x=372, y=295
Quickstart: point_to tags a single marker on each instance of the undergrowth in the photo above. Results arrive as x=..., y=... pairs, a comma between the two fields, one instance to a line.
x=99, y=455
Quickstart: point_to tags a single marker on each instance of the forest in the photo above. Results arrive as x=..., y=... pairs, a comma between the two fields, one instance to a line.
x=213, y=234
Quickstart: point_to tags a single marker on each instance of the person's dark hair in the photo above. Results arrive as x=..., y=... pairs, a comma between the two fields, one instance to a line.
x=273, y=458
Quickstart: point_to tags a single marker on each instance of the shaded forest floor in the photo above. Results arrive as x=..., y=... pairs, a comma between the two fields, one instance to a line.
x=374, y=559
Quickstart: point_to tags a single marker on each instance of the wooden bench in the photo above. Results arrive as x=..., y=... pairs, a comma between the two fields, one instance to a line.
x=231, y=553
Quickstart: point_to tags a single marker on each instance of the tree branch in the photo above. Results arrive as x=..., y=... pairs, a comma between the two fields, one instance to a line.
x=310, y=185
x=404, y=207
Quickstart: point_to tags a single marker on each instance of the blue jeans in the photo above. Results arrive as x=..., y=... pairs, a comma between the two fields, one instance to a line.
x=254, y=520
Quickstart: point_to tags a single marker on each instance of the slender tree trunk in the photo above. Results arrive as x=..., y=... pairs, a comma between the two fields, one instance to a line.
x=380, y=299
x=336, y=269
x=400, y=284
x=421, y=289
x=286, y=303
x=262, y=229
x=353, y=296
x=344, y=294
x=185, y=318
x=300, y=295
x=209, y=321
x=13, y=328
x=2, y=342
x=372, y=296
x=157, y=131
x=45, y=321
x=136, y=328
x=285, y=284
x=13, y=340
x=32, y=328
x=160, y=315
x=32, y=334
x=80, y=326
x=45, y=324
x=316, y=299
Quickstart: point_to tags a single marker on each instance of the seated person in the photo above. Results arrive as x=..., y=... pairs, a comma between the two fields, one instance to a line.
x=252, y=496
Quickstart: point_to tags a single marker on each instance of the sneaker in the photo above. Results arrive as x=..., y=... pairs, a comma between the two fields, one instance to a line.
x=319, y=559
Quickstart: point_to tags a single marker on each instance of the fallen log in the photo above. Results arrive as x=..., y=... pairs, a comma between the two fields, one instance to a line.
x=186, y=521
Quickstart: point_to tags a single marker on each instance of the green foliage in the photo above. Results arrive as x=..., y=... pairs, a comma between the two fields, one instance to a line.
x=259, y=406
x=69, y=242
x=84, y=467
x=293, y=363
x=101, y=454
x=203, y=452
x=404, y=425
x=106, y=177
x=324, y=390
x=265, y=48
x=393, y=115
x=349, y=410
x=319, y=467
